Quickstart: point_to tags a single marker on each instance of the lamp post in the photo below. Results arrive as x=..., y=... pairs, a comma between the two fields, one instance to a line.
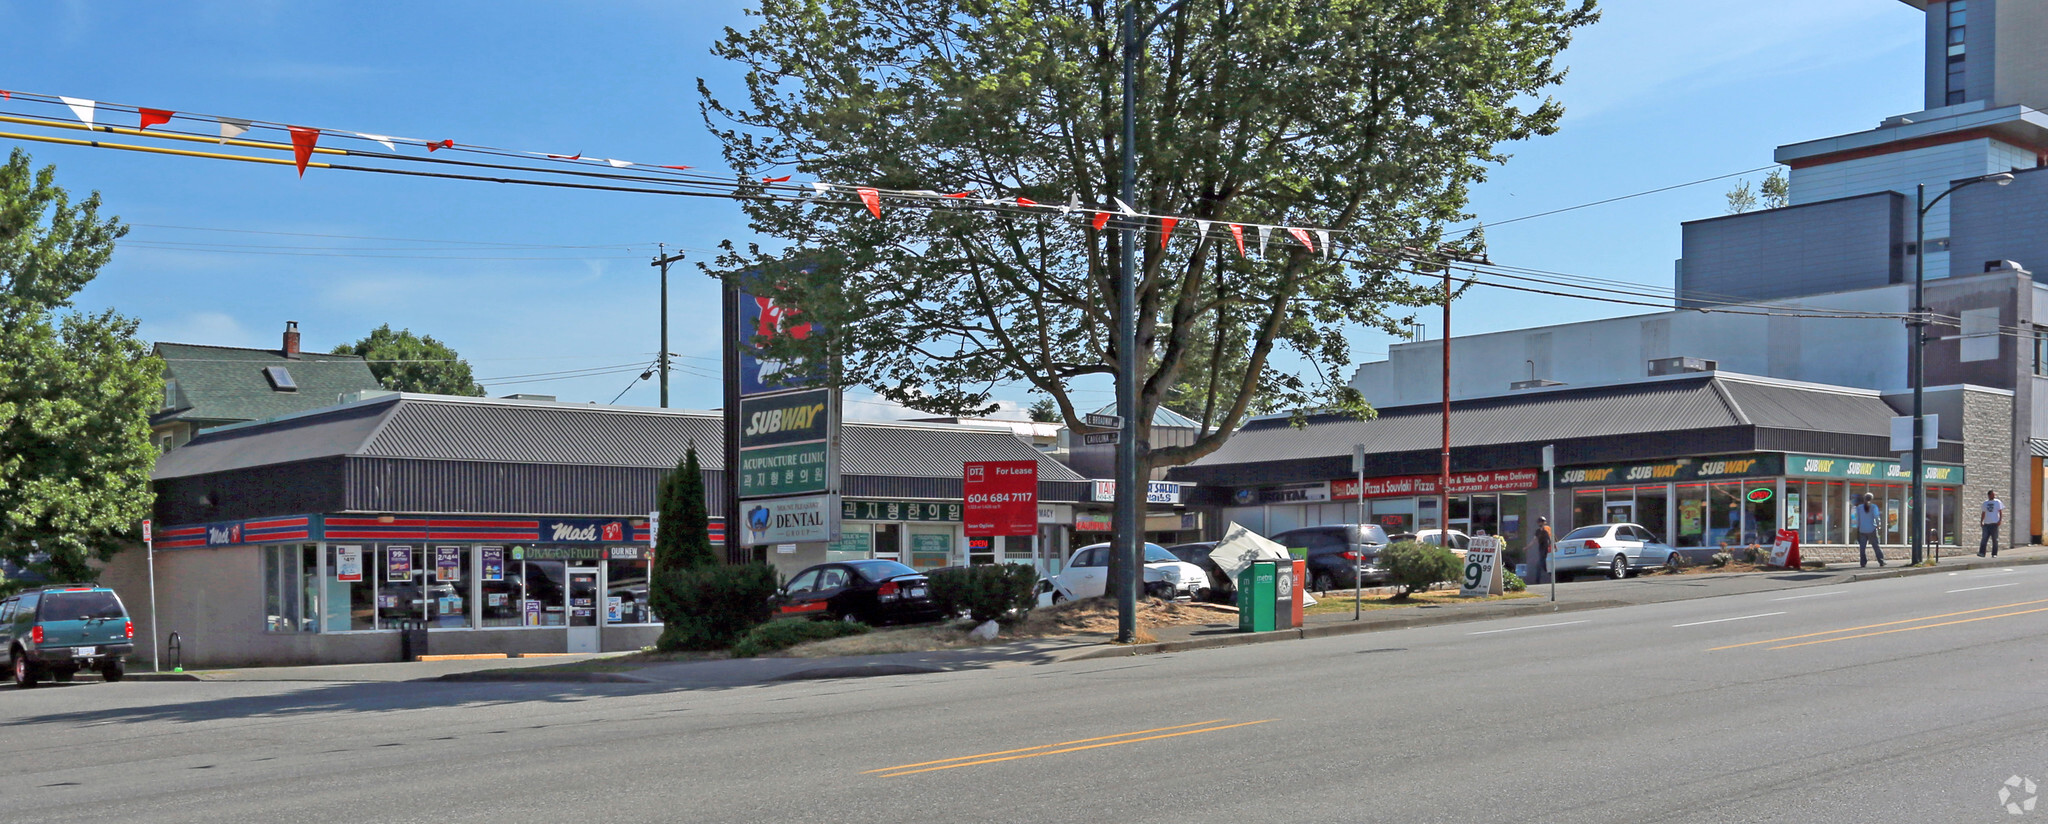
x=1917, y=356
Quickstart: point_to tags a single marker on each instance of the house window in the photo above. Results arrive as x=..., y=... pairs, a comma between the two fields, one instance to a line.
x=280, y=379
x=2041, y=353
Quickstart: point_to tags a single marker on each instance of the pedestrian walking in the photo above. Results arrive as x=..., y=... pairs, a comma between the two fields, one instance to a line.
x=1866, y=516
x=1544, y=543
x=1994, y=518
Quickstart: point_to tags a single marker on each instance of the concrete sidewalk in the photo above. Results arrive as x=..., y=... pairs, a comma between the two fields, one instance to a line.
x=726, y=673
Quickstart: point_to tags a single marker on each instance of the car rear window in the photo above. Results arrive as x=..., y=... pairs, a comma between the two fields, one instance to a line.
x=1587, y=532
x=878, y=571
x=80, y=606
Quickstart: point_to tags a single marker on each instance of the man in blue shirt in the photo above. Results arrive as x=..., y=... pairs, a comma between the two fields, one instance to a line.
x=1866, y=515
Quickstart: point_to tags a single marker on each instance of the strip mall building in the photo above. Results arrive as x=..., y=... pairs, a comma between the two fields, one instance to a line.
x=504, y=526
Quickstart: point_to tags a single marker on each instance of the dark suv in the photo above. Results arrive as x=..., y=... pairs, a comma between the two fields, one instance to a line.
x=1335, y=552
x=59, y=630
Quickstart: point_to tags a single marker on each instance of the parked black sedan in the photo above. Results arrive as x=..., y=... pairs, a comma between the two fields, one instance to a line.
x=868, y=592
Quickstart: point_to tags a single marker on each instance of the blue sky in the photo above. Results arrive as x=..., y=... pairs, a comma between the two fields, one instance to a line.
x=540, y=280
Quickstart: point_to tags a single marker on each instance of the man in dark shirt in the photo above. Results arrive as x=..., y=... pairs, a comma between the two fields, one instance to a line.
x=1544, y=543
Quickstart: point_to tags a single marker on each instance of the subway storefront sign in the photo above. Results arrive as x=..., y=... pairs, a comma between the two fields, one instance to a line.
x=1867, y=469
x=1719, y=467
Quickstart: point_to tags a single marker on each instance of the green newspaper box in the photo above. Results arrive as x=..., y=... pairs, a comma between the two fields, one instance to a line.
x=1257, y=592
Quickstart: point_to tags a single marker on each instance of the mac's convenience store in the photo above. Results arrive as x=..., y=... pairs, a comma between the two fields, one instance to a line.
x=502, y=526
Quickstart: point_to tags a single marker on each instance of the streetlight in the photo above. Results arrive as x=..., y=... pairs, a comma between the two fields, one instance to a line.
x=1918, y=367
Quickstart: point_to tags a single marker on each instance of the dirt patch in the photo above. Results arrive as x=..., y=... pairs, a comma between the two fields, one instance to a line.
x=1099, y=616
x=885, y=641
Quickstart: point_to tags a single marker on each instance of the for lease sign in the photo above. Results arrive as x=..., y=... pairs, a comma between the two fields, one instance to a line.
x=1002, y=497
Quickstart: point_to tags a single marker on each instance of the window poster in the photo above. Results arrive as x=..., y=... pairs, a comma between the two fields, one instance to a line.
x=614, y=609
x=447, y=564
x=532, y=613
x=398, y=564
x=493, y=562
x=348, y=563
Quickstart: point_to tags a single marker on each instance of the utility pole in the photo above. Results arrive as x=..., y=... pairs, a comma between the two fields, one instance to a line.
x=662, y=259
x=1130, y=489
x=1443, y=488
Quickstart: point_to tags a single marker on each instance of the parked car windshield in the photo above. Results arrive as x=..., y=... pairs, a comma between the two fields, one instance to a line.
x=878, y=571
x=80, y=606
x=1154, y=554
x=1587, y=532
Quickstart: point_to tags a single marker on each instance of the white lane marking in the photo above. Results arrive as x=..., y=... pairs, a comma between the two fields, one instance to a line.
x=1721, y=620
x=1812, y=595
x=1512, y=629
x=1974, y=589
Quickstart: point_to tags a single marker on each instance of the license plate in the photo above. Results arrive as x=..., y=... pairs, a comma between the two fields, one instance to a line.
x=917, y=592
x=85, y=652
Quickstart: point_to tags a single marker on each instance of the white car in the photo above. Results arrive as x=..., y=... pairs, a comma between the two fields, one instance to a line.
x=1621, y=549
x=1086, y=574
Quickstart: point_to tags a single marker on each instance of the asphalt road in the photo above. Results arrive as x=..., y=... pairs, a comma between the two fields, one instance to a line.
x=1883, y=701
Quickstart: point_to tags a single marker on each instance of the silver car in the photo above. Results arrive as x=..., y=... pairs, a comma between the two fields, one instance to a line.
x=1621, y=549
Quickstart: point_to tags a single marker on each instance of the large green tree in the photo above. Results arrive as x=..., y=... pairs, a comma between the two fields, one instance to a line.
x=406, y=362
x=1368, y=118
x=76, y=389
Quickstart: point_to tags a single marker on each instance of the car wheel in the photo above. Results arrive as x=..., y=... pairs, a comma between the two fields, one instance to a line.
x=62, y=675
x=1672, y=563
x=1323, y=582
x=1619, y=569
x=24, y=674
x=113, y=671
x=1057, y=598
x=850, y=618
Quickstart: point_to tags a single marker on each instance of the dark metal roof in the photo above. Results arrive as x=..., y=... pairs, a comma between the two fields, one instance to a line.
x=445, y=428
x=1709, y=406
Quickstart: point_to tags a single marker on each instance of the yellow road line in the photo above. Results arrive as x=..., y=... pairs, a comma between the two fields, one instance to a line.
x=1044, y=746
x=1885, y=624
x=1910, y=629
x=1078, y=749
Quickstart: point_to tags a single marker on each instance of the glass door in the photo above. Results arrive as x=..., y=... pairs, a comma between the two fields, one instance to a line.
x=582, y=593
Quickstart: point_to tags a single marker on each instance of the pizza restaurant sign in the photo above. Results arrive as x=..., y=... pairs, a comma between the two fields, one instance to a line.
x=1499, y=480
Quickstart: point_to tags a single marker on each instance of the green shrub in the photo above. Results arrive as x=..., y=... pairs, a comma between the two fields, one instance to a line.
x=1722, y=559
x=1416, y=566
x=781, y=634
x=1513, y=583
x=988, y=592
x=713, y=606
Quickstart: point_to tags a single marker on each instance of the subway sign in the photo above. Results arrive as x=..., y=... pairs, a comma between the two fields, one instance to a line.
x=1682, y=469
x=1867, y=469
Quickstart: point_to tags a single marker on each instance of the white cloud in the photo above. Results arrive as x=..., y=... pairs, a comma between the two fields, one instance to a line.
x=204, y=328
x=877, y=408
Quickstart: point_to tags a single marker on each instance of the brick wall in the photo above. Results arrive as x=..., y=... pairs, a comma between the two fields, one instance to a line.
x=1988, y=462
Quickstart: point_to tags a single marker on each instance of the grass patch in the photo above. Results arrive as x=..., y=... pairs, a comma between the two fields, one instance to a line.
x=1334, y=602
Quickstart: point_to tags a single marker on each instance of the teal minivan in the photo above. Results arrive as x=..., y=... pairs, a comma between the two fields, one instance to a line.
x=55, y=631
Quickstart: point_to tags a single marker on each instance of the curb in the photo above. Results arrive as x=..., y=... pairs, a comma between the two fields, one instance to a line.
x=162, y=676
x=857, y=671
x=1329, y=630
x=1984, y=563
x=543, y=677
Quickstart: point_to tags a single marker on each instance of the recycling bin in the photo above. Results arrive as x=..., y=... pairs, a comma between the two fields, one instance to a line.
x=1257, y=596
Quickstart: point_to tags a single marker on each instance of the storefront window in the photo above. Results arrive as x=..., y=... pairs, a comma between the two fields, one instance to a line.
x=1426, y=514
x=448, y=601
x=1395, y=515
x=1653, y=503
x=1282, y=518
x=1692, y=516
x=930, y=549
x=1586, y=508
x=1949, y=511
x=1249, y=517
x=291, y=587
x=498, y=591
x=626, y=592
x=399, y=590
x=543, y=597
x=856, y=543
x=1724, y=515
x=889, y=542
x=1485, y=514
x=1514, y=519
x=1835, y=508
x=1894, y=502
x=1761, y=497
x=351, y=591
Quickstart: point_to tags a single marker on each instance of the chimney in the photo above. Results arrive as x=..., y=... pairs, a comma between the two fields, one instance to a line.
x=291, y=339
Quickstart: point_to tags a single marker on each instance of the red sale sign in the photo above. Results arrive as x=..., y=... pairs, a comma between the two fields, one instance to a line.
x=1002, y=497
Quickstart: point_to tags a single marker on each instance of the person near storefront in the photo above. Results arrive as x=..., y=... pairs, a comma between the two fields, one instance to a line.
x=1994, y=518
x=1542, y=542
x=1866, y=516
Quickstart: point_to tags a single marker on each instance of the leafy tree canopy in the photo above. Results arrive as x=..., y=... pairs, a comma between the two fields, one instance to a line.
x=76, y=389
x=1370, y=118
x=406, y=362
